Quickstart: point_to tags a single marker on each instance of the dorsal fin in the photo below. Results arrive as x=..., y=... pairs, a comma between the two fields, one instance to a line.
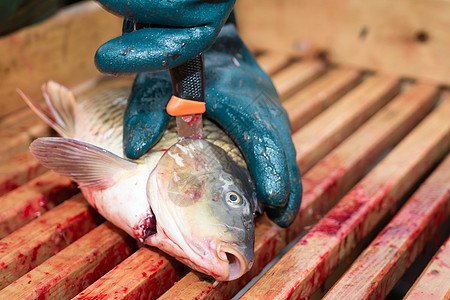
x=88, y=165
x=61, y=103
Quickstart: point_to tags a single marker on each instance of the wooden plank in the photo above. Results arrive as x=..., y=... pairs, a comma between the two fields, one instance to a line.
x=434, y=281
x=336, y=174
x=32, y=244
x=296, y=76
x=323, y=185
x=198, y=286
x=77, y=266
x=53, y=49
x=384, y=261
x=32, y=199
x=303, y=106
x=272, y=62
x=18, y=171
x=331, y=127
x=310, y=261
x=409, y=38
x=17, y=131
x=144, y=275
x=24, y=120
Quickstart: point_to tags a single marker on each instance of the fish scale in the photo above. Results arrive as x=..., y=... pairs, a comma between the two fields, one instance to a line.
x=97, y=114
x=192, y=198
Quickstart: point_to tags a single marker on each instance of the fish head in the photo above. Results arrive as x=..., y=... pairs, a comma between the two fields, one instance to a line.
x=204, y=205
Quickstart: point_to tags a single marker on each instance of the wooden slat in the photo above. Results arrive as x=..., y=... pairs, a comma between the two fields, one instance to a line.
x=24, y=120
x=18, y=171
x=434, y=281
x=325, y=132
x=409, y=38
x=272, y=62
x=61, y=48
x=70, y=271
x=32, y=199
x=311, y=260
x=144, y=275
x=383, y=262
x=14, y=145
x=336, y=174
x=323, y=185
x=297, y=75
x=303, y=106
x=32, y=244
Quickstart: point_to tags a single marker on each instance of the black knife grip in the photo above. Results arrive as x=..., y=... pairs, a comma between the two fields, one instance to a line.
x=188, y=79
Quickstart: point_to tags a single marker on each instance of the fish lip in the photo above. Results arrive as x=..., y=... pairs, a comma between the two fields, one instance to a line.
x=236, y=262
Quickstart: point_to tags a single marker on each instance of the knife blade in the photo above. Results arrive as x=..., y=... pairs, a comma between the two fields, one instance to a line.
x=188, y=101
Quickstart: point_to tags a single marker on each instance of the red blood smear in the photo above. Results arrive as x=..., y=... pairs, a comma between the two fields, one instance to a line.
x=8, y=186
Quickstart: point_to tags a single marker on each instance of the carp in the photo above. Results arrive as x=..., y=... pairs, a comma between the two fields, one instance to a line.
x=193, y=199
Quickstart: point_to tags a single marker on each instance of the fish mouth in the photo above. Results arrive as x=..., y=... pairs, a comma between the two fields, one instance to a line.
x=238, y=265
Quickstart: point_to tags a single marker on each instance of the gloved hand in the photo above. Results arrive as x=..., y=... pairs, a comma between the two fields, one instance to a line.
x=240, y=97
x=161, y=34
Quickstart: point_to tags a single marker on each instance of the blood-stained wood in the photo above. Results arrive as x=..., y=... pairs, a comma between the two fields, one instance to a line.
x=74, y=268
x=303, y=106
x=32, y=244
x=336, y=174
x=325, y=132
x=60, y=48
x=383, y=262
x=434, y=281
x=323, y=185
x=296, y=76
x=32, y=199
x=144, y=275
x=272, y=62
x=18, y=171
x=310, y=261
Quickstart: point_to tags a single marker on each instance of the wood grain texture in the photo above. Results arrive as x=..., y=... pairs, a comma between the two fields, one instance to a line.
x=323, y=185
x=272, y=62
x=61, y=48
x=434, y=282
x=32, y=199
x=330, y=128
x=337, y=173
x=18, y=171
x=74, y=268
x=409, y=38
x=306, y=104
x=296, y=76
x=39, y=240
x=145, y=274
x=384, y=261
x=310, y=261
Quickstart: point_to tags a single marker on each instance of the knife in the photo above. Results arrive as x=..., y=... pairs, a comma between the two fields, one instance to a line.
x=188, y=101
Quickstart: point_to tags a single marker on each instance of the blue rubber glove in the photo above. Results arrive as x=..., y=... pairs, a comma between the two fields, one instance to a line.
x=161, y=34
x=240, y=97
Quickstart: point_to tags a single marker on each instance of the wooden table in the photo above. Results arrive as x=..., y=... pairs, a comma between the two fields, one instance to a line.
x=373, y=147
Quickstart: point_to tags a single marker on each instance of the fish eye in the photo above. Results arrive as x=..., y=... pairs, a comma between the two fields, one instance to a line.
x=233, y=199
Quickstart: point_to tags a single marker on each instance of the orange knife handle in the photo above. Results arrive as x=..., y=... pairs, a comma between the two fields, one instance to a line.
x=188, y=83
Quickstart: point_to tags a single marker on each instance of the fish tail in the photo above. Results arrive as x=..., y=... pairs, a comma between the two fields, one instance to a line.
x=61, y=103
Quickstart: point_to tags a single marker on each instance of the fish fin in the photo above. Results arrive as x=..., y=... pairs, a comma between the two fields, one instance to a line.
x=61, y=103
x=88, y=165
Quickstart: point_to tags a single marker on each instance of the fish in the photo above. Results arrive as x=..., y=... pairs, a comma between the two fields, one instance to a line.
x=194, y=199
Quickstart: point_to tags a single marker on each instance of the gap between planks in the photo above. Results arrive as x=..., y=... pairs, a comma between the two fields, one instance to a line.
x=74, y=268
x=323, y=185
x=384, y=261
x=306, y=265
x=434, y=282
x=27, y=247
